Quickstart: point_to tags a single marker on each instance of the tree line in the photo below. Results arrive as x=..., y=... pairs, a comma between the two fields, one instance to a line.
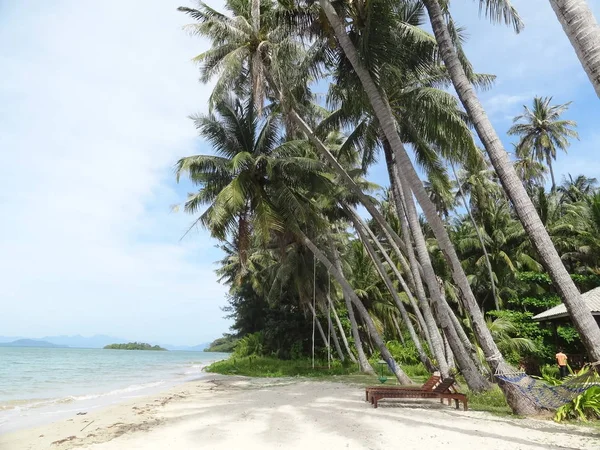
x=455, y=254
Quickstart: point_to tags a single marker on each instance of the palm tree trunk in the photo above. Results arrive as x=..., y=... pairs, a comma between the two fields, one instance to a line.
x=580, y=314
x=583, y=31
x=549, y=161
x=357, y=220
x=342, y=332
x=363, y=362
x=326, y=310
x=392, y=290
x=398, y=330
x=488, y=263
x=388, y=124
x=364, y=314
x=449, y=354
x=336, y=341
x=319, y=327
x=473, y=377
x=413, y=269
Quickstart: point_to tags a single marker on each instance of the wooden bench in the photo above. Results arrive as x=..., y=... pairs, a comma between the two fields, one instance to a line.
x=427, y=386
x=443, y=391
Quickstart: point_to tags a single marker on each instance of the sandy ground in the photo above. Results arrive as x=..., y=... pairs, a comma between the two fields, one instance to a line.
x=239, y=413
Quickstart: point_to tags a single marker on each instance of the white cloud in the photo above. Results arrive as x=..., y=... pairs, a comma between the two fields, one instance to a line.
x=94, y=99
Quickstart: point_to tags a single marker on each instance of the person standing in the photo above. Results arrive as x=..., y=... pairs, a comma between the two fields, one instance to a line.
x=561, y=359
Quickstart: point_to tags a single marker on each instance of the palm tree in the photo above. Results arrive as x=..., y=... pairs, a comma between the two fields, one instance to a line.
x=530, y=171
x=577, y=189
x=542, y=131
x=582, y=318
x=583, y=31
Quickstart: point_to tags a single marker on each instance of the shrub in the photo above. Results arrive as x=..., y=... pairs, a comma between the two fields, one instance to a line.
x=583, y=407
x=250, y=345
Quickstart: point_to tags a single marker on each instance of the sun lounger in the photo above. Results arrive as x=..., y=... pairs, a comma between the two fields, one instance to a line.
x=443, y=391
x=432, y=382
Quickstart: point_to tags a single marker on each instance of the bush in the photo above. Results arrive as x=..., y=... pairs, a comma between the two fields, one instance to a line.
x=250, y=345
x=584, y=407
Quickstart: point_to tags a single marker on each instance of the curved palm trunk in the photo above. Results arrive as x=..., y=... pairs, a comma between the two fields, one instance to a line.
x=480, y=237
x=357, y=220
x=583, y=31
x=398, y=330
x=580, y=314
x=323, y=306
x=449, y=354
x=363, y=362
x=342, y=332
x=392, y=290
x=386, y=119
x=364, y=314
x=336, y=341
x=413, y=271
x=319, y=327
x=473, y=377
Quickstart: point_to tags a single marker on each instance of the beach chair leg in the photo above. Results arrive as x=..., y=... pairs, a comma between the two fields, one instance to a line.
x=366, y=395
x=442, y=401
x=456, y=403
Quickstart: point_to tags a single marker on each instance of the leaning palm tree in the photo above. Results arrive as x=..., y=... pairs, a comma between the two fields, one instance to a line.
x=543, y=132
x=583, y=31
x=549, y=257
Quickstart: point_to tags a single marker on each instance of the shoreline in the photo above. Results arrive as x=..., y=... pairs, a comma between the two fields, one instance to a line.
x=224, y=412
x=53, y=405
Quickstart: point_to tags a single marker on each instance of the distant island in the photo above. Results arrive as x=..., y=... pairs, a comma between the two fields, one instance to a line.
x=31, y=343
x=134, y=346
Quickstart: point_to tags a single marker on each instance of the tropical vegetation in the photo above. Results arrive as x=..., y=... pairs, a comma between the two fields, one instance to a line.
x=443, y=266
x=134, y=346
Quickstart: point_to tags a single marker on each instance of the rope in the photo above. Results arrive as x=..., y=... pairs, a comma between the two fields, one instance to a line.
x=314, y=311
x=328, y=322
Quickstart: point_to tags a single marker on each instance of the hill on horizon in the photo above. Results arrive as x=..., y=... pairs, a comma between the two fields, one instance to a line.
x=31, y=343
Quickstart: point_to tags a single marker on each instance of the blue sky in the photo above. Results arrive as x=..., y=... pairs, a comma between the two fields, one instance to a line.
x=94, y=99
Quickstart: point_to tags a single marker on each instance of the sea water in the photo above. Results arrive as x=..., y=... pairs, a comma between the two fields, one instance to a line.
x=39, y=385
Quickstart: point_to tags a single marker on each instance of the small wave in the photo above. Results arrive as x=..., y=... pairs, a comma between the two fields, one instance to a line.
x=22, y=405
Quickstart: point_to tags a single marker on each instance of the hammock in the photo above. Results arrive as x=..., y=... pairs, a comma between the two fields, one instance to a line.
x=546, y=396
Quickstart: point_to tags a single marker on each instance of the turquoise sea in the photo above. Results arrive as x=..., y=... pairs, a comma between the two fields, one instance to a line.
x=39, y=385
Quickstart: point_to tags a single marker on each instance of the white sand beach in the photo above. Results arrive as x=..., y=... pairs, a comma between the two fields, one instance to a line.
x=242, y=413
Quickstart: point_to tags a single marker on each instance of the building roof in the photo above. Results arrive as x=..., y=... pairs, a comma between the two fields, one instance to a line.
x=591, y=299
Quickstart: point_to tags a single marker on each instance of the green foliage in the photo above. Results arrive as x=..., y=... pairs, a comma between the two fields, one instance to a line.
x=584, y=407
x=550, y=375
x=265, y=366
x=225, y=344
x=568, y=334
x=134, y=346
x=405, y=354
x=250, y=345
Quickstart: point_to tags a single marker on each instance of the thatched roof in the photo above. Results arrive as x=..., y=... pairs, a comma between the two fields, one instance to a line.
x=591, y=299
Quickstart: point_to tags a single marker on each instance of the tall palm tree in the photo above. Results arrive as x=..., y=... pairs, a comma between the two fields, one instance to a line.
x=529, y=170
x=542, y=131
x=583, y=31
x=411, y=184
x=580, y=314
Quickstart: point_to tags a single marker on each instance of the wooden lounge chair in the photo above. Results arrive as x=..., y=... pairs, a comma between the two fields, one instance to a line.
x=427, y=386
x=443, y=391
